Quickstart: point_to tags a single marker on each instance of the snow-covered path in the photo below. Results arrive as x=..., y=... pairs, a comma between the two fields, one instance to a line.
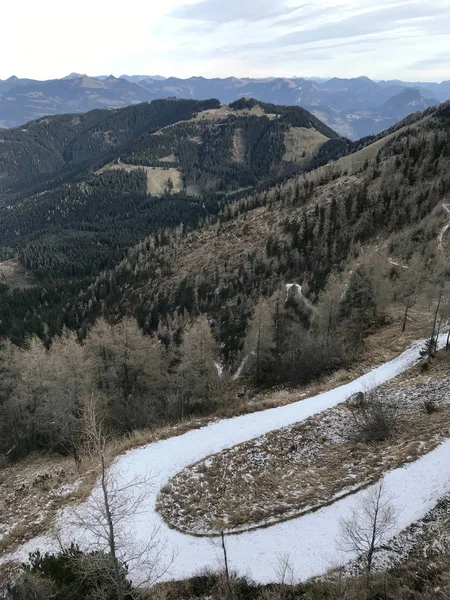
x=445, y=228
x=310, y=541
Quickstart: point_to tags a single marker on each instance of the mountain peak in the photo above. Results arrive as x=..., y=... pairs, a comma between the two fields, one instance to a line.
x=74, y=75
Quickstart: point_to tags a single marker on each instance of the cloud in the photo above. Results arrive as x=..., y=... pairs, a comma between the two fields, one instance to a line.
x=226, y=11
x=432, y=61
x=384, y=19
x=332, y=34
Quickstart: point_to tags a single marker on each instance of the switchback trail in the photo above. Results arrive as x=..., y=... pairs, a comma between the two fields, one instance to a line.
x=310, y=540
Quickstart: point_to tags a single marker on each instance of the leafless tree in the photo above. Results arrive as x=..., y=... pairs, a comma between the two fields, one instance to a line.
x=109, y=514
x=326, y=318
x=430, y=349
x=408, y=285
x=226, y=577
x=225, y=562
x=368, y=525
x=285, y=575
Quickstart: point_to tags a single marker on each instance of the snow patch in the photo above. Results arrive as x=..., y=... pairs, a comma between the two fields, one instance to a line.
x=444, y=229
x=300, y=295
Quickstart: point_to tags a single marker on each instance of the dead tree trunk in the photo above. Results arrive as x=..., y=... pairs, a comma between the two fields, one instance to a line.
x=227, y=571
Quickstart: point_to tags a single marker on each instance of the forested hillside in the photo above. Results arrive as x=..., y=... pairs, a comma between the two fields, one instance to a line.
x=79, y=191
x=55, y=146
x=148, y=314
x=233, y=147
x=303, y=231
x=79, y=229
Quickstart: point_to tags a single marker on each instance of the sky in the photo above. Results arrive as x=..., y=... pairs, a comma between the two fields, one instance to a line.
x=385, y=39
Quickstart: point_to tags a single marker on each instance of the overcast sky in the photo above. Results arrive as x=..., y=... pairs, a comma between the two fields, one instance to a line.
x=256, y=38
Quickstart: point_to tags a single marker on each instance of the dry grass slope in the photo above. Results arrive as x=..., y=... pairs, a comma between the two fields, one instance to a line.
x=301, y=144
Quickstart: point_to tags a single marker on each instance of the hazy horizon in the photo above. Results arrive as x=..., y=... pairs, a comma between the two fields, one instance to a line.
x=243, y=77
x=396, y=39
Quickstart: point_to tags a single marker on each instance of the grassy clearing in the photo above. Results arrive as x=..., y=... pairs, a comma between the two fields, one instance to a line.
x=14, y=275
x=300, y=468
x=171, y=158
x=217, y=114
x=302, y=144
x=158, y=178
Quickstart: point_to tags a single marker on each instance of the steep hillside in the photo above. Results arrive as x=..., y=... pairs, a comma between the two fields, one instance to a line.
x=391, y=191
x=99, y=183
x=52, y=147
x=301, y=231
x=280, y=285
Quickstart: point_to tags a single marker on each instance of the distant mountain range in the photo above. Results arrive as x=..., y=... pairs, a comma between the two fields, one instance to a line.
x=352, y=107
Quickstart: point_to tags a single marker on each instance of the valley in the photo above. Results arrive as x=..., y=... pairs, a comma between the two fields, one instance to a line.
x=225, y=300
x=223, y=328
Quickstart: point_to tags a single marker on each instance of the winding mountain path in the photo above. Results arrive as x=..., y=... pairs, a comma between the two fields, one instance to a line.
x=310, y=541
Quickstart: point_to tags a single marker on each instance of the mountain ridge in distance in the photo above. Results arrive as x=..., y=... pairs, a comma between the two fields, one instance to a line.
x=354, y=107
